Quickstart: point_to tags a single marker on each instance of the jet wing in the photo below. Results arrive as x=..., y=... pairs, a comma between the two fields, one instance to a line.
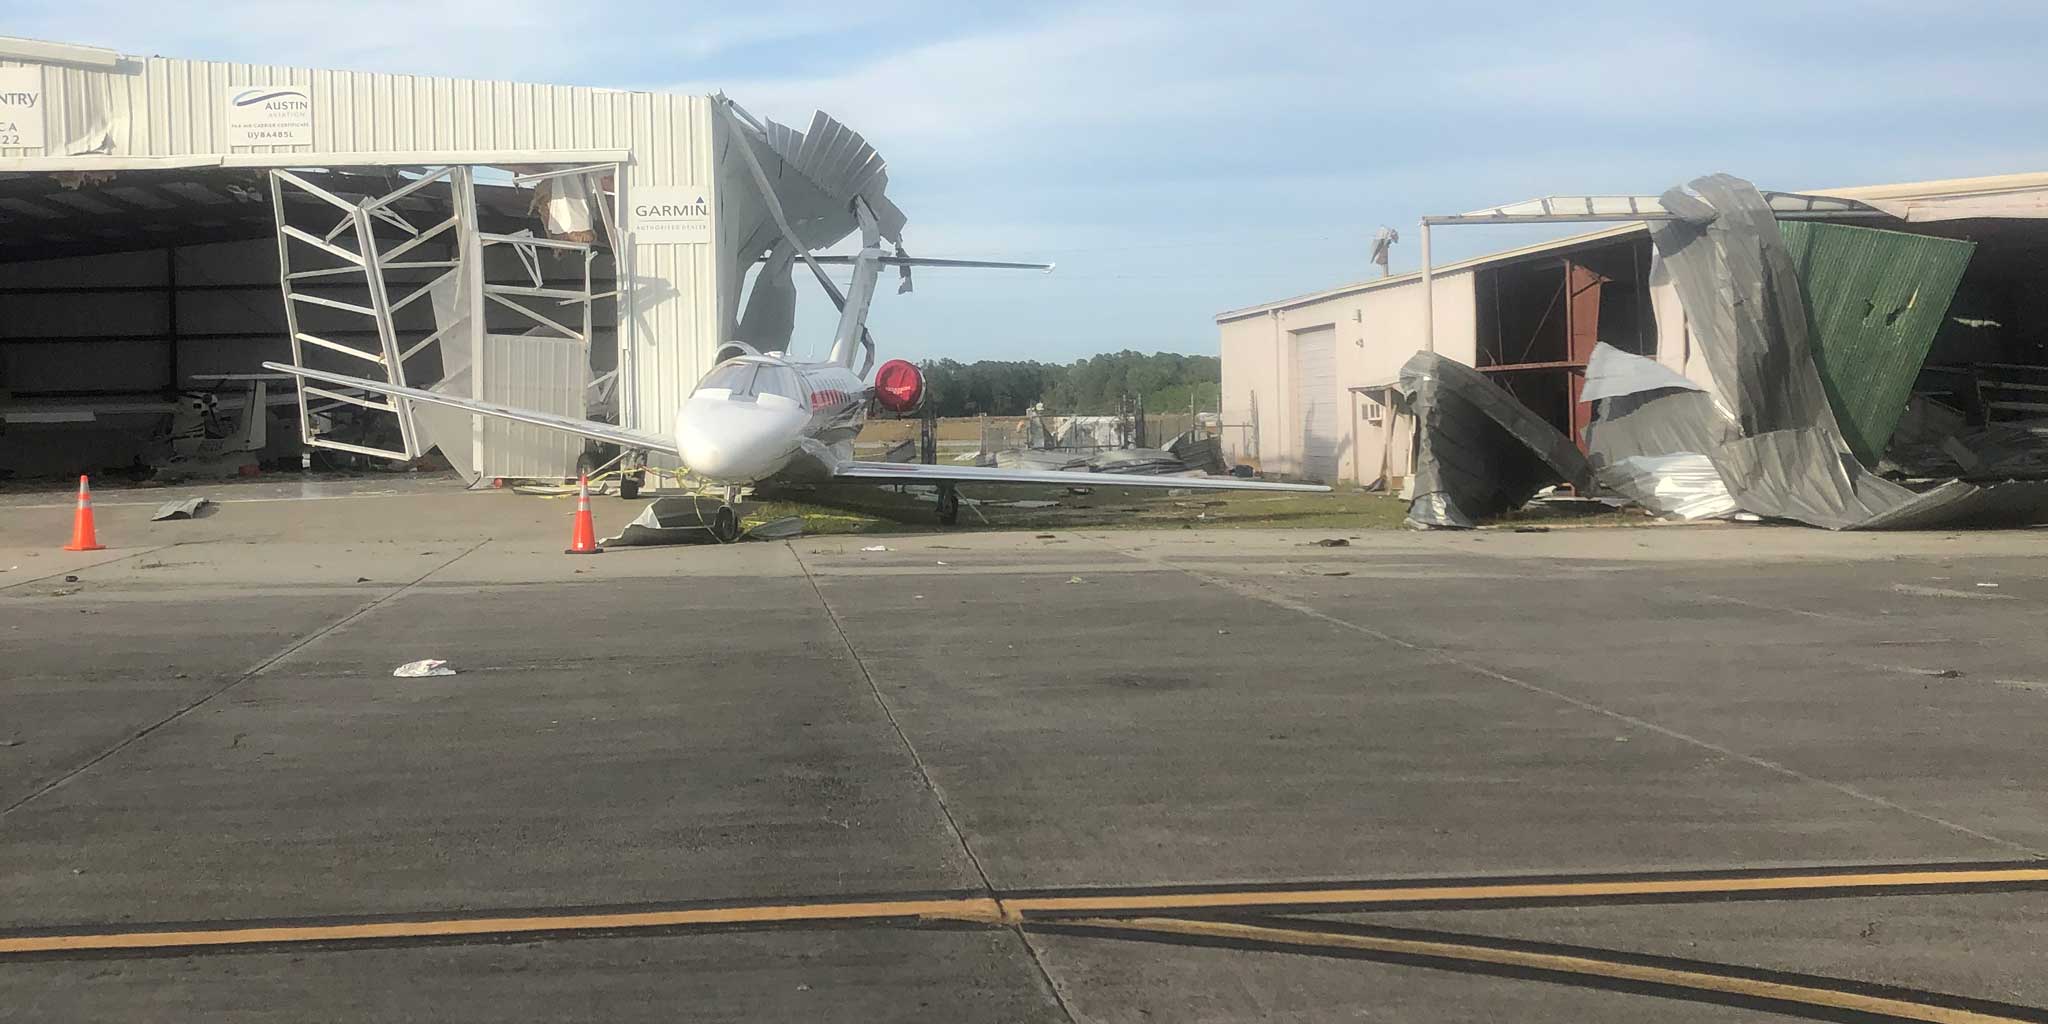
x=586, y=428
x=917, y=473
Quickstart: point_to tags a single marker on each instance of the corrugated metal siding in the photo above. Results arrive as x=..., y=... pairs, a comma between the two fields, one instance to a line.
x=175, y=107
x=1873, y=302
x=170, y=107
x=673, y=336
x=76, y=111
x=544, y=374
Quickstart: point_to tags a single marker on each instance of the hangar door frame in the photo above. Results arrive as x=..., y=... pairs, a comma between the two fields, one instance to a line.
x=1318, y=403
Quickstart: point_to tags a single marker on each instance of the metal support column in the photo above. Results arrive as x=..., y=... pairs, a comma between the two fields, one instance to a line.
x=1428, y=294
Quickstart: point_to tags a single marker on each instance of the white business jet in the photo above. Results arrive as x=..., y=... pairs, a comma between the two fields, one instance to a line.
x=760, y=417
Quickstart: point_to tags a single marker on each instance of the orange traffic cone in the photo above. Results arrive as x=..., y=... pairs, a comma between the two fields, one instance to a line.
x=83, y=537
x=584, y=540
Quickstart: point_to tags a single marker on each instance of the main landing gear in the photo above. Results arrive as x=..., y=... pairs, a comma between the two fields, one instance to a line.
x=949, y=505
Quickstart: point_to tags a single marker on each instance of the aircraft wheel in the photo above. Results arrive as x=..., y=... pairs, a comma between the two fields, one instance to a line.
x=949, y=505
x=725, y=525
x=629, y=486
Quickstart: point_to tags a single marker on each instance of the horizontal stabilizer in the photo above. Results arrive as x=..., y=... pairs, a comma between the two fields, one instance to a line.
x=930, y=261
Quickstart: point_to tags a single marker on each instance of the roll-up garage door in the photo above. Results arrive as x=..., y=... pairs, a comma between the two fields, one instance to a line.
x=1316, y=403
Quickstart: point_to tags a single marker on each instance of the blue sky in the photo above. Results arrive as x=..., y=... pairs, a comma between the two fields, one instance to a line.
x=1178, y=159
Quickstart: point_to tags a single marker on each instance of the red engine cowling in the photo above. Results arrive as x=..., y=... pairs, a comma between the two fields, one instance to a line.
x=899, y=385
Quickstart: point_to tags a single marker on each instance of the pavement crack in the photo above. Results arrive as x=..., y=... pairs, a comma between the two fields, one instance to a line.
x=250, y=673
x=952, y=824
x=74, y=570
x=1259, y=593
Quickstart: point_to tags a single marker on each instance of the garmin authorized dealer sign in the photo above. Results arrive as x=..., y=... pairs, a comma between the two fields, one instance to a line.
x=269, y=115
x=21, y=108
x=669, y=214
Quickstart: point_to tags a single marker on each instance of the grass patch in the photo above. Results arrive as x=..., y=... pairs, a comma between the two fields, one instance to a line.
x=844, y=509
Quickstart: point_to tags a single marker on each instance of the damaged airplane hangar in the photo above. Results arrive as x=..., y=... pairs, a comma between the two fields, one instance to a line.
x=1866, y=358
x=172, y=223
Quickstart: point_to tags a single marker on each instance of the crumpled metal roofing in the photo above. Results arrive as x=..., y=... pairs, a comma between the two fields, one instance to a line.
x=1611, y=373
x=841, y=164
x=1789, y=459
x=1481, y=452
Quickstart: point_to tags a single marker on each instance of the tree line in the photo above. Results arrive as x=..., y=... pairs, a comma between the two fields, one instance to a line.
x=1092, y=386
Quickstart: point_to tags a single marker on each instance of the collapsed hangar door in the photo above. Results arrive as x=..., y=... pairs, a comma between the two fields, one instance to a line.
x=1316, y=401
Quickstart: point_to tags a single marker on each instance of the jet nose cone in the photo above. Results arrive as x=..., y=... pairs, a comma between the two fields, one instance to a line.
x=734, y=442
x=705, y=457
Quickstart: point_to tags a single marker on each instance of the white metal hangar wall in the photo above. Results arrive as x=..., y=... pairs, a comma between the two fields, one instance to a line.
x=84, y=109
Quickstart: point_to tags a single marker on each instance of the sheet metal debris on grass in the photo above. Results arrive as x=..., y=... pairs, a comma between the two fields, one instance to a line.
x=683, y=520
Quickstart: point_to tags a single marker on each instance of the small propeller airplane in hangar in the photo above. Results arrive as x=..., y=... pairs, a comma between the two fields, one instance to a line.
x=759, y=416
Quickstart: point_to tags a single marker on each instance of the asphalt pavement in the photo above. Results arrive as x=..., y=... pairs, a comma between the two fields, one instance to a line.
x=1733, y=773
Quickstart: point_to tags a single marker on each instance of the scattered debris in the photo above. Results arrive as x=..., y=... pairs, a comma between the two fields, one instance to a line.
x=785, y=528
x=551, y=490
x=1333, y=542
x=942, y=562
x=1532, y=529
x=1222, y=632
x=1205, y=454
x=1044, y=536
x=1075, y=579
x=1338, y=572
x=64, y=591
x=10, y=743
x=687, y=520
x=876, y=547
x=190, y=508
x=423, y=668
x=1787, y=450
x=1480, y=450
x=362, y=579
x=1987, y=584
x=1944, y=673
x=70, y=579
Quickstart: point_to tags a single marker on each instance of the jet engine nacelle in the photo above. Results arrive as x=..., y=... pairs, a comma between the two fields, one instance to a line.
x=899, y=385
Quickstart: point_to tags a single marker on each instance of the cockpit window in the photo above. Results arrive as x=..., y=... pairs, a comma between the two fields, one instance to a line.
x=779, y=380
x=753, y=379
x=737, y=378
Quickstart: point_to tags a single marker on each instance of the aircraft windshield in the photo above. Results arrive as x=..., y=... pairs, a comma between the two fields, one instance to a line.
x=778, y=380
x=737, y=378
x=749, y=379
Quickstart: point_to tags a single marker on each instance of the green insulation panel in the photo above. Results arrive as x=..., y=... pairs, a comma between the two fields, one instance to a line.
x=1873, y=302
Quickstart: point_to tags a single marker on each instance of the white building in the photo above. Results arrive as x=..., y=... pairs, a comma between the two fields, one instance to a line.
x=1307, y=376
x=139, y=245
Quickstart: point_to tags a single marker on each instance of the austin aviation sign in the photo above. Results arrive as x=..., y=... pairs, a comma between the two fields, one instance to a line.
x=670, y=214
x=269, y=115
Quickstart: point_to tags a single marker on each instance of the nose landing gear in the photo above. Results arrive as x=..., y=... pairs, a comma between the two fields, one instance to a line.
x=725, y=523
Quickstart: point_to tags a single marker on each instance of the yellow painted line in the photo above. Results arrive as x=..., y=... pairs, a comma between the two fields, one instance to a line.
x=1701, y=981
x=1484, y=892
x=989, y=910
x=980, y=909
